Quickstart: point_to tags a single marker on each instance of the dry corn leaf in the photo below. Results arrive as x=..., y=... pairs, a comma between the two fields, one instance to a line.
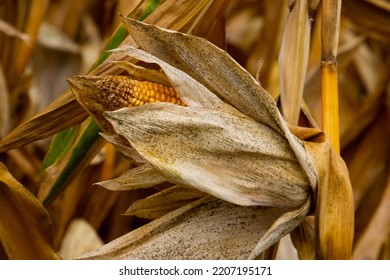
x=211, y=23
x=281, y=226
x=293, y=60
x=303, y=239
x=286, y=250
x=10, y=30
x=385, y=250
x=143, y=176
x=362, y=97
x=4, y=105
x=79, y=239
x=369, y=17
x=62, y=113
x=25, y=227
x=368, y=163
x=335, y=206
x=370, y=243
x=163, y=202
x=204, y=229
x=274, y=19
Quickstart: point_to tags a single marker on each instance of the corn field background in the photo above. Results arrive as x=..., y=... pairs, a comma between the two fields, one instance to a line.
x=326, y=64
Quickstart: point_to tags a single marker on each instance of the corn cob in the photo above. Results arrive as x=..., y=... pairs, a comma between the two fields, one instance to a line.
x=122, y=91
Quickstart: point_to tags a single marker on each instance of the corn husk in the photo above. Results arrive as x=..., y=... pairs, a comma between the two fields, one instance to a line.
x=230, y=142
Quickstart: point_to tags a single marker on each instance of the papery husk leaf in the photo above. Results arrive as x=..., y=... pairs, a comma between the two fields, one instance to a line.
x=204, y=229
x=142, y=73
x=190, y=91
x=335, y=207
x=209, y=65
x=123, y=146
x=163, y=202
x=293, y=60
x=25, y=227
x=143, y=176
x=216, y=70
x=282, y=226
x=229, y=156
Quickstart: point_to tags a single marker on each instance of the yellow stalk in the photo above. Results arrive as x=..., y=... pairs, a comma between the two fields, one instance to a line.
x=330, y=103
x=334, y=225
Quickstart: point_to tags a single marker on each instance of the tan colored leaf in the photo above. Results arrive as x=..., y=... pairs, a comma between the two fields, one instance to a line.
x=25, y=227
x=293, y=60
x=303, y=239
x=143, y=176
x=163, y=202
x=79, y=239
x=203, y=229
x=128, y=152
x=228, y=156
x=335, y=207
x=12, y=31
x=370, y=17
x=369, y=245
x=282, y=226
x=62, y=113
x=368, y=162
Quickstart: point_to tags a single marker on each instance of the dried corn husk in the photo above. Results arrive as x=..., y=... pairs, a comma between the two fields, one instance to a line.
x=241, y=150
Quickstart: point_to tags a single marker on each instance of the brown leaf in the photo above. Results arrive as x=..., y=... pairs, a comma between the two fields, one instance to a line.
x=25, y=227
x=293, y=60
x=61, y=114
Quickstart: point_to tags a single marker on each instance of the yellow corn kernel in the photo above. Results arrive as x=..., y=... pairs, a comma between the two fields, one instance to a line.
x=157, y=95
x=124, y=91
